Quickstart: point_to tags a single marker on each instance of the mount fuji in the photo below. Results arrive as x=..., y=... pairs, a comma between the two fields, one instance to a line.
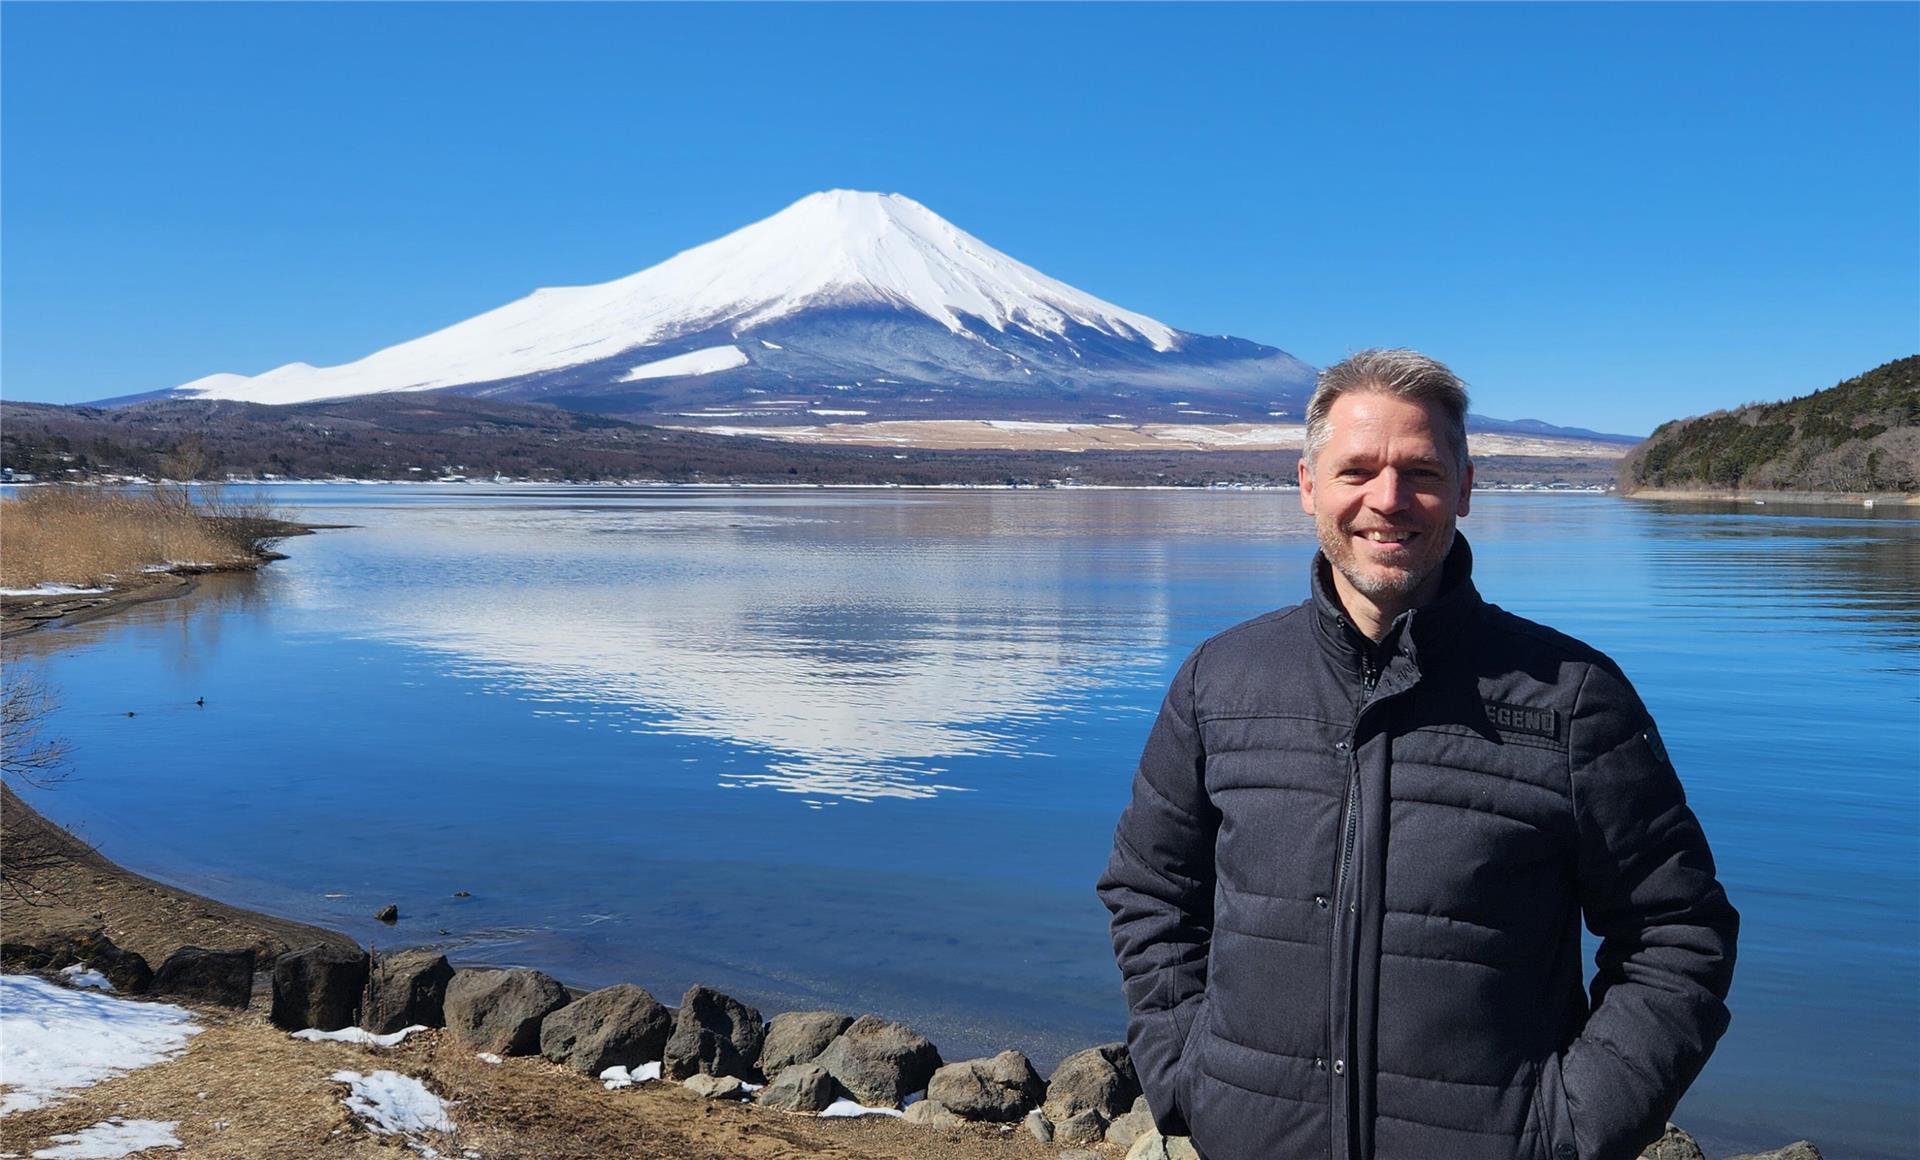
x=843, y=304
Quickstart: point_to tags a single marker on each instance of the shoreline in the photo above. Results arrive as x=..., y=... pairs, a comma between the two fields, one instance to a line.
x=1811, y=498
x=25, y=612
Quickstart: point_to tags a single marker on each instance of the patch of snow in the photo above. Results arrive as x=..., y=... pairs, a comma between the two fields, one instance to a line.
x=771, y=345
x=1261, y=435
x=846, y=1107
x=358, y=1035
x=53, y=1039
x=1028, y=425
x=488, y=1057
x=618, y=1077
x=705, y=361
x=52, y=590
x=111, y=1139
x=81, y=975
x=392, y=1103
x=825, y=411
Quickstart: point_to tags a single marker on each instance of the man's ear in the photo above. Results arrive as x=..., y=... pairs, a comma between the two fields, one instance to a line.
x=1466, y=490
x=1306, y=486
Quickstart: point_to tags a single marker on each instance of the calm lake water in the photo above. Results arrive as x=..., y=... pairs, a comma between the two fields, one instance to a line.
x=865, y=749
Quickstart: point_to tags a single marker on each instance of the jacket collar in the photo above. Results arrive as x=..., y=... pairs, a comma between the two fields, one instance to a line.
x=1416, y=633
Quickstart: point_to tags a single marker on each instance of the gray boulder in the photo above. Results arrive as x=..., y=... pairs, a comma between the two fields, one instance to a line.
x=799, y=1037
x=319, y=986
x=1798, y=1150
x=999, y=1090
x=1154, y=1146
x=127, y=971
x=931, y=1113
x=1100, y=1078
x=1039, y=1126
x=500, y=1011
x=715, y=1087
x=1673, y=1144
x=620, y=1026
x=713, y=1034
x=200, y=975
x=800, y=1087
x=408, y=989
x=1086, y=1126
x=879, y=1062
x=1126, y=1129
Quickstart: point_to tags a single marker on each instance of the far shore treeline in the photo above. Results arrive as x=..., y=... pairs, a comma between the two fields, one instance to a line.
x=1860, y=436
x=431, y=435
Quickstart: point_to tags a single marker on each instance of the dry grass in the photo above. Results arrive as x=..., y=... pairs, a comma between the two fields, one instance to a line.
x=94, y=536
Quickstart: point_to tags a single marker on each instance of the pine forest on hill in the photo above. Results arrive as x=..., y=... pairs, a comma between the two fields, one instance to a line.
x=1862, y=435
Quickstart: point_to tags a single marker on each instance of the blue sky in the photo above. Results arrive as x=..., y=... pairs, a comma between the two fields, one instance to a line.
x=1602, y=216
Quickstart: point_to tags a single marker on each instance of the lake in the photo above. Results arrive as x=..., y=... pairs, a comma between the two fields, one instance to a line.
x=864, y=749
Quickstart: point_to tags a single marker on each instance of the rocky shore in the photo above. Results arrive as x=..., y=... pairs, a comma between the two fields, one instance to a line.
x=616, y=1065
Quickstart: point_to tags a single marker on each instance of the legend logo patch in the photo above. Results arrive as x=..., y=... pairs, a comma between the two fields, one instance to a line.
x=1522, y=719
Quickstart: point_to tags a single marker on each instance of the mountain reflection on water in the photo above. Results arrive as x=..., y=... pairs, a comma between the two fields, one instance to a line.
x=854, y=654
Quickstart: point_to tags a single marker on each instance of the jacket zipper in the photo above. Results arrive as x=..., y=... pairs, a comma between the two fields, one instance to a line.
x=1346, y=919
x=1369, y=680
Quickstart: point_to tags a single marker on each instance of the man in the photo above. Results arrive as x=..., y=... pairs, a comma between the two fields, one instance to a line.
x=1346, y=895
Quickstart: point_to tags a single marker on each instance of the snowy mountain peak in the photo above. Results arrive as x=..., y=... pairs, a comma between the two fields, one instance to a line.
x=849, y=247
x=837, y=248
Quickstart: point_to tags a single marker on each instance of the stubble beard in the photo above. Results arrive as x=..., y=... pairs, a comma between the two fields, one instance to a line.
x=1382, y=585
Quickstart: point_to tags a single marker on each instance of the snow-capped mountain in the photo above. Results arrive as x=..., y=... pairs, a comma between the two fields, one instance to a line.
x=844, y=302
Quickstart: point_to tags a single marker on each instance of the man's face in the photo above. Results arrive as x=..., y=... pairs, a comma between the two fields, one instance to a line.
x=1384, y=494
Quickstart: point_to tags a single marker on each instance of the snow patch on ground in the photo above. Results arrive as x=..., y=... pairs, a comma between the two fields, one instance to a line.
x=53, y=1039
x=111, y=1139
x=695, y=362
x=846, y=1107
x=52, y=590
x=358, y=1035
x=392, y=1104
x=618, y=1077
x=81, y=975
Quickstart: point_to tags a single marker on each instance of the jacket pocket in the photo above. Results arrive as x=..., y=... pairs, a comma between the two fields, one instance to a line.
x=1553, y=1114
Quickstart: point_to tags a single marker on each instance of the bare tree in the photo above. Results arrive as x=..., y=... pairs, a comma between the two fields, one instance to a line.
x=31, y=850
x=28, y=755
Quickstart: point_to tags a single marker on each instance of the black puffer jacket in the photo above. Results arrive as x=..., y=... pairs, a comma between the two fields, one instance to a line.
x=1346, y=895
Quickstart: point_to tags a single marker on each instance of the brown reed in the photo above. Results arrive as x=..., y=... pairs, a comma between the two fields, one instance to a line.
x=97, y=536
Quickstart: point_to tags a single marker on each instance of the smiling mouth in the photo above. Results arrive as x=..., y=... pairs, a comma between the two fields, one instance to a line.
x=1385, y=537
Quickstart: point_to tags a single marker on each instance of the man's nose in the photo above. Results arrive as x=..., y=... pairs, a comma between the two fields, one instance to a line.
x=1389, y=492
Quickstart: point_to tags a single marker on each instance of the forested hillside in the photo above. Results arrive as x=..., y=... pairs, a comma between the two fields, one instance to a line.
x=1862, y=435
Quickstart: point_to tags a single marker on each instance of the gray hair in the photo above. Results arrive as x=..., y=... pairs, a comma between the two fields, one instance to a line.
x=1404, y=374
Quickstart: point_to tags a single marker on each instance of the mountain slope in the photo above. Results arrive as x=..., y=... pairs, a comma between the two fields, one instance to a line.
x=1862, y=435
x=841, y=291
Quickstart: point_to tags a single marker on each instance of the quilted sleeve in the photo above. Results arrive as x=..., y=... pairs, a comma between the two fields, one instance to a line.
x=1647, y=889
x=1159, y=886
